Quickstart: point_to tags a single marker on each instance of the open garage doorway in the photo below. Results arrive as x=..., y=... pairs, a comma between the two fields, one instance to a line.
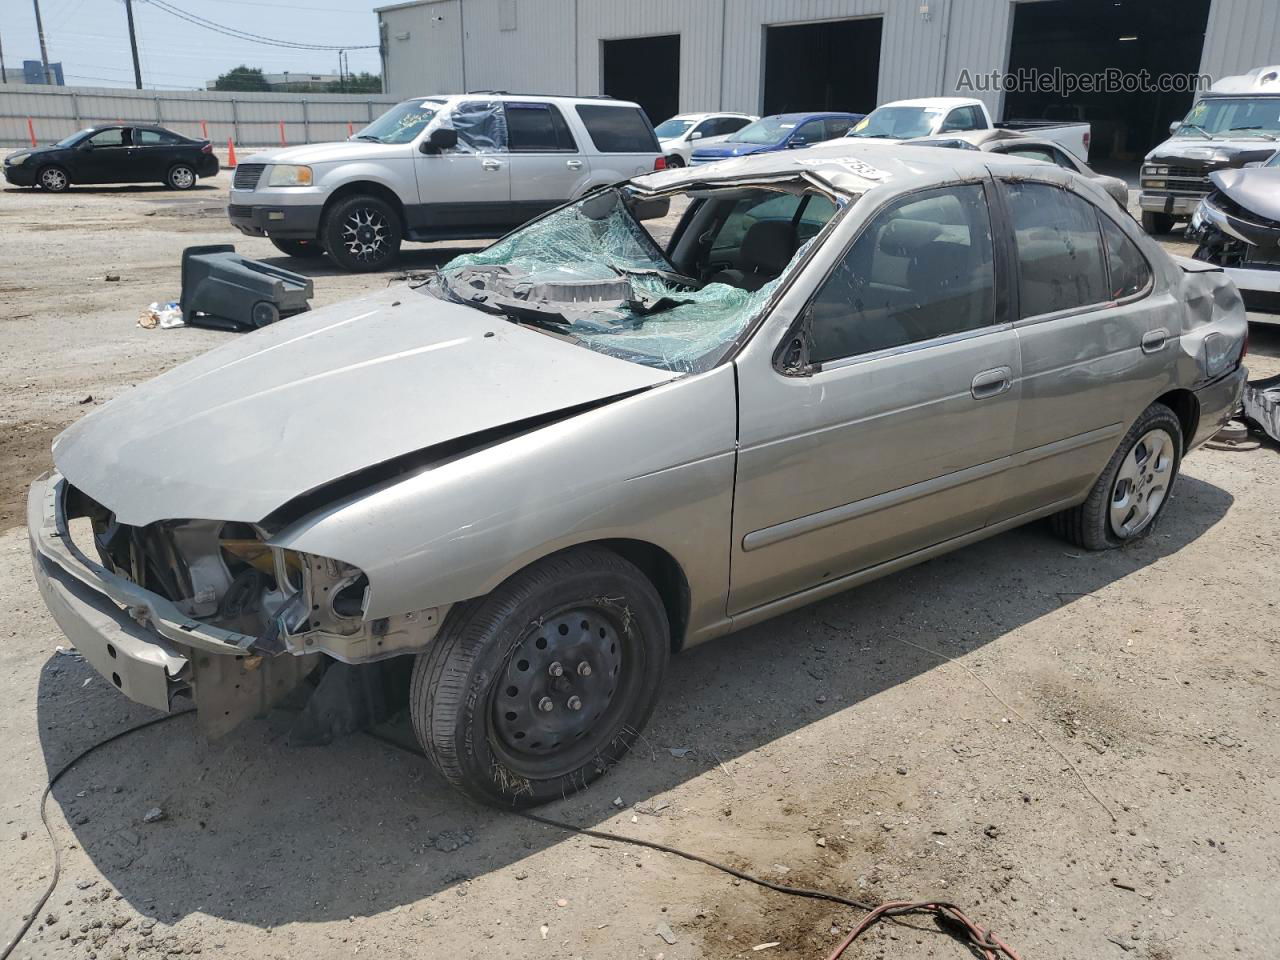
x=646, y=70
x=1091, y=36
x=831, y=65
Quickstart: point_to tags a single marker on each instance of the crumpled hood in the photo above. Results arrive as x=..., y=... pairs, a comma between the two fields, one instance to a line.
x=337, y=152
x=1257, y=189
x=241, y=430
x=730, y=148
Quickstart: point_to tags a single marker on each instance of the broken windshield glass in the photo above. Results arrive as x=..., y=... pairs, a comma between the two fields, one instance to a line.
x=593, y=272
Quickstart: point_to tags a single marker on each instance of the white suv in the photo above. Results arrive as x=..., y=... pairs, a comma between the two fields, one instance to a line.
x=439, y=168
x=680, y=134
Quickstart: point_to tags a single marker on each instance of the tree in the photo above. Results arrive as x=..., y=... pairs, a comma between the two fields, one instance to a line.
x=242, y=78
x=357, y=83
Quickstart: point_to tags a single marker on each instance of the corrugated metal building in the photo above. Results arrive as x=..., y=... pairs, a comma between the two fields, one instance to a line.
x=760, y=56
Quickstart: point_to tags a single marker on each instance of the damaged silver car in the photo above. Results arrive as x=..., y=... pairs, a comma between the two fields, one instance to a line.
x=660, y=414
x=1237, y=227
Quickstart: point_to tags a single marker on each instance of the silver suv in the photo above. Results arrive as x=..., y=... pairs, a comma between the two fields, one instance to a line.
x=439, y=168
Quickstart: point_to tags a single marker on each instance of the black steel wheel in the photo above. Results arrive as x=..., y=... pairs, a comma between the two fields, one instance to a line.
x=362, y=233
x=1157, y=224
x=675, y=161
x=531, y=693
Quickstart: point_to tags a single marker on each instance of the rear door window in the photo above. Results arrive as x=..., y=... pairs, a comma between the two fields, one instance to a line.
x=732, y=124
x=537, y=128
x=963, y=118
x=1060, y=258
x=617, y=129
x=1130, y=272
x=922, y=269
x=155, y=138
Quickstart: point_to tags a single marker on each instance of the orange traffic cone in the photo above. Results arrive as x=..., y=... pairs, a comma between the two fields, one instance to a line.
x=231, y=154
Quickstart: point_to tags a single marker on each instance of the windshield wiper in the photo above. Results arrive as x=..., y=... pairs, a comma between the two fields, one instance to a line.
x=368, y=136
x=1268, y=136
x=1195, y=126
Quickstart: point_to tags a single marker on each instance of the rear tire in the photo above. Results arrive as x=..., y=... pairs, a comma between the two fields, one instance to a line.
x=180, y=177
x=1128, y=498
x=53, y=179
x=532, y=692
x=675, y=161
x=362, y=233
x=302, y=249
x=1157, y=223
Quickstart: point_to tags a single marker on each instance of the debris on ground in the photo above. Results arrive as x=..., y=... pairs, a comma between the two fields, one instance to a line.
x=664, y=931
x=154, y=815
x=162, y=315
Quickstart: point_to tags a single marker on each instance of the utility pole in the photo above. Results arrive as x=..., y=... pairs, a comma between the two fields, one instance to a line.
x=4, y=77
x=133, y=45
x=44, y=53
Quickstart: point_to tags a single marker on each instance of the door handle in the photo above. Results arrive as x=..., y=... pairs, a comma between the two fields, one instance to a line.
x=991, y=383
x=1154, y=340
x=573, y=164
x=490, y=164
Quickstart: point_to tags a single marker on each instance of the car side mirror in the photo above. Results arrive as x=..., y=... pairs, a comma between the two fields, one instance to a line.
x=87, y=145
x=1173, y=127
x=696, y=135
x=440, y=139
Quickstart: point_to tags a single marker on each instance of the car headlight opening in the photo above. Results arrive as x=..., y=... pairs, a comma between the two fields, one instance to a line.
x=289, y=175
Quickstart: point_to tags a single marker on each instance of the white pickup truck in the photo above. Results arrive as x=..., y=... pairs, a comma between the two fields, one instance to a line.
x=937, y=116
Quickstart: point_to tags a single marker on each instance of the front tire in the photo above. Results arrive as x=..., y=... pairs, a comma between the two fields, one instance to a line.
x=532, y=692
x=302, y=249
x=1157, y=224
x=53, y=179
x=362, y=233
x=675, y=161
x=1133, y=490
x=180, y=177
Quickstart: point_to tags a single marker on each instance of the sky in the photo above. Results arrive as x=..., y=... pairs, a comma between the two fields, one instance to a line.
x=91, y=38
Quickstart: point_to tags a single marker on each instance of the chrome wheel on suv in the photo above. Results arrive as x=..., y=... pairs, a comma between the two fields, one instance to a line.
x=181, y=177
x=362, y=233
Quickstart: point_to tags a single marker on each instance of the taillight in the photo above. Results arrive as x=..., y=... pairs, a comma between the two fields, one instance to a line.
x=1088, y=139
x=660, y=163
x=1244, y=347
x=207, y=148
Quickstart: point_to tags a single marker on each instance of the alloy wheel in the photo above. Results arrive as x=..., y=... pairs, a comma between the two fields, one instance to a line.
x=182, y=177
x=53, y=179
x=1142, y=484
x=364, y=234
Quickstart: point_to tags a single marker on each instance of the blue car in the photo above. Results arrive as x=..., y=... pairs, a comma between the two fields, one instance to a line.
x=782, y=131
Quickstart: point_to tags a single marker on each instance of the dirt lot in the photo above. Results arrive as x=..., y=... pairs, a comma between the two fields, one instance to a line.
x=1080, y=750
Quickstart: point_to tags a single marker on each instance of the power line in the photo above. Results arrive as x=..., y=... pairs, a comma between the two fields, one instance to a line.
x=247, y=36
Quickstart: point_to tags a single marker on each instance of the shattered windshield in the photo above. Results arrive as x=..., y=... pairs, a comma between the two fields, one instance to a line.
x=595, y=272
x=1233, y=117
x=896, y=123
x=401, y=123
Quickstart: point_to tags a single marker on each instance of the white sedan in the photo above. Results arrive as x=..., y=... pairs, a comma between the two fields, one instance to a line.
x=678, y=135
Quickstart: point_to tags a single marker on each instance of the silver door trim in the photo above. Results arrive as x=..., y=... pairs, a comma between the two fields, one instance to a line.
x=799, y=526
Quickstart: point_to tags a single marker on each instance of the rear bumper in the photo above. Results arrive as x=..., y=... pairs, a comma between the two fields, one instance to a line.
x=283, y=222
x=1219, y=402
x=208, y=166
x=136, y=639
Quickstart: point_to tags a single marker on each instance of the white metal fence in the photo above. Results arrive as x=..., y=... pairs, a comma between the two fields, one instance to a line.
x=248, y=119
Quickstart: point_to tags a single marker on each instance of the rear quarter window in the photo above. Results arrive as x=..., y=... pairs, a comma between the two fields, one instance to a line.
x=618, y=129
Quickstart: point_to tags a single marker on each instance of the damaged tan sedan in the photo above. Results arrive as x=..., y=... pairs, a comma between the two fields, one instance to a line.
x=670, y=410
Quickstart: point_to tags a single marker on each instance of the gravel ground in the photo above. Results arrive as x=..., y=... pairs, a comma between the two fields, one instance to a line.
x=1079, y=749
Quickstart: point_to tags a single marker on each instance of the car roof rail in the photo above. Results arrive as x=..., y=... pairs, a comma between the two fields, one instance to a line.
x=563, y=96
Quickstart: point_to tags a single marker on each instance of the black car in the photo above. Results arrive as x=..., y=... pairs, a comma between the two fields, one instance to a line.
x=114, y=153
